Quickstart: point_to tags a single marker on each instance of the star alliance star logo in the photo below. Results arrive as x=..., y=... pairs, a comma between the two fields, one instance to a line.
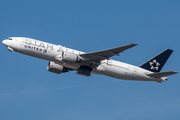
x=154, y=65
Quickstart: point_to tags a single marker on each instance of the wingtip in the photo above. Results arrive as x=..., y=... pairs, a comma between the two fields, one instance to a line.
x=134, y=44
x=175, y=72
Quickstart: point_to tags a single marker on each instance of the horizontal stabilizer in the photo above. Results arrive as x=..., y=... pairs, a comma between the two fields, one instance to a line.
x=162, y=74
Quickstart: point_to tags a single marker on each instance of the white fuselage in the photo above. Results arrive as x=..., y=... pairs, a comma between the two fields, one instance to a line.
x=106, y=67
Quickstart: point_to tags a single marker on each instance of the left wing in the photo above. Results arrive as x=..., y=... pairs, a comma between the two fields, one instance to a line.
x=105, y=54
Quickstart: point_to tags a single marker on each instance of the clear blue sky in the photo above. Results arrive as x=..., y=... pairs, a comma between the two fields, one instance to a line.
x=29, y=92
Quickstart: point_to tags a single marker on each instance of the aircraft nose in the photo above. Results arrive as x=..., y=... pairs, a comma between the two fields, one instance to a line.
x=6, y=42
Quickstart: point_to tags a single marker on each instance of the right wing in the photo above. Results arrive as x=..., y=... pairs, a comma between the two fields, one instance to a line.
x=105, y=54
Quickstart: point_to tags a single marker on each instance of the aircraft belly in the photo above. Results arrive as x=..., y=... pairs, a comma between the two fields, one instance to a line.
x=117, y=72
x=99, y=70
x=124, y=73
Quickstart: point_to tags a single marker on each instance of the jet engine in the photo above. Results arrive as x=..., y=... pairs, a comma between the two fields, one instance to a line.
x=68, y=57
x=56, y=68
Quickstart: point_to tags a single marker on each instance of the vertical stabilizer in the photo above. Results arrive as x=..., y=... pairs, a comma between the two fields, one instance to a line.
x=155, y=64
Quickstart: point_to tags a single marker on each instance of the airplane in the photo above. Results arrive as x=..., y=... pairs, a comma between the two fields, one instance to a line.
x=62, y=59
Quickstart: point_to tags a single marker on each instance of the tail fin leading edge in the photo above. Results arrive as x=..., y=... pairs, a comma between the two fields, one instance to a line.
x=156, y=63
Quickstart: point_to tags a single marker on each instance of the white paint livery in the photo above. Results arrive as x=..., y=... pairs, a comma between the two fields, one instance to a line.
x=63, y=59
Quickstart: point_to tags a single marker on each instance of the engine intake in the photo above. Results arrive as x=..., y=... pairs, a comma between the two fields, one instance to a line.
x=56, y=68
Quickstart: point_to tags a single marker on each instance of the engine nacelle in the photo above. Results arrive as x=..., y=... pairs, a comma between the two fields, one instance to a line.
x=70, y=57
x=56, y=68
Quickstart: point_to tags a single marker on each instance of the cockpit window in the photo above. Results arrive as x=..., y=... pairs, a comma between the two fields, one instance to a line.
x=9, y=38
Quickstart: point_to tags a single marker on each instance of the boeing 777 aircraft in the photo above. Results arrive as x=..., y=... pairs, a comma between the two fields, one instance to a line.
x=62, y=59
